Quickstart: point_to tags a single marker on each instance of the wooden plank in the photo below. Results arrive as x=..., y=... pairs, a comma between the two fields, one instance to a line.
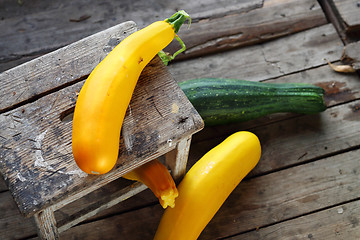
x=101, y=204
x=338, y=13
x=349, y=14
x=136, y=225
x=31, y=29
x=60, y=68
x=340, y=88
x=36, y=151
x=294, y=192
x=12, y=224
x=46, y=224
x=340, y=222
x=288, y=194
x=104, y=194
x=351, y=54
x=283, y=56
x=241, y=29
x=181, y=154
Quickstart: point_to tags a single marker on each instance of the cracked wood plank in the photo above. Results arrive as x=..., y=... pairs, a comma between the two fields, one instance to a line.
x=339, y=177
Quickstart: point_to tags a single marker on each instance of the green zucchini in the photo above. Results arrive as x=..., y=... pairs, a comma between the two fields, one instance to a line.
x=224, y=101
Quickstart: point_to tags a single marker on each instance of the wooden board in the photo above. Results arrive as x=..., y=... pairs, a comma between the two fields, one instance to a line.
x=351, y=55
x=60, y=68
x=339, y=222
x=33, y=29
x=36, y=157
x=278, y=18
x=13, y=225
x=297, y=52
x=349, y=14
x=326, y=203
x=279, y=148
x=60, y=24
x=344, y=15
x=253, y=204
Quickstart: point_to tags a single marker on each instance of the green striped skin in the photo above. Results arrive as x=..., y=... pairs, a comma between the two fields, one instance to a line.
x=224, y=101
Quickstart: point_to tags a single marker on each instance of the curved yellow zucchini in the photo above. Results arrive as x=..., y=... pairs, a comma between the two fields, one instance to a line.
x=106, y=94
x=207, y=185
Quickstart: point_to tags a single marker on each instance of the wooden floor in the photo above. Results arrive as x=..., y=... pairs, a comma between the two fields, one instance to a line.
x=307, y=183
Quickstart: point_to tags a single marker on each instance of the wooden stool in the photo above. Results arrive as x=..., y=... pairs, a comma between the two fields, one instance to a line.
x=36, y=104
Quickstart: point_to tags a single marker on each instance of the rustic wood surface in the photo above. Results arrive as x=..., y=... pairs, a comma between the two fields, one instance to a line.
x=349, y=14
x=351, y=55
x=306, y=185
x=36, y=160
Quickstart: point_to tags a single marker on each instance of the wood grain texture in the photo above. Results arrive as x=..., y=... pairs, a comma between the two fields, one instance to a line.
x=293, y=192
x=242, y=29
x=253, y=204
x=349, y=14
x=36, y=157
x=60, y=68
x=340, y=222
x=305, y=188
x=13, y=225
x=351, y=54
x=46, y=224
x=181, y=154
x=101, y=203
x=340, y=88
x=283, y=56
x=33, y=29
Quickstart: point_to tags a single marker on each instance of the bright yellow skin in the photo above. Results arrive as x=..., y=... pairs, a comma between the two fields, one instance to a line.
x=106, y=94
x=207, y=185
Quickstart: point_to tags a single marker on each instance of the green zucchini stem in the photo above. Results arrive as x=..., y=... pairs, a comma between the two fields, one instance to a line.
x=166, y=57
x=178, y=19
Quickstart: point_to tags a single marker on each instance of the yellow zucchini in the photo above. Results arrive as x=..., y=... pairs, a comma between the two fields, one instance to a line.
x=207, y=185
x=102, y=102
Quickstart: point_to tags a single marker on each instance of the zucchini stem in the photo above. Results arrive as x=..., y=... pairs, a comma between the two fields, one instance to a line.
x=166, y=57
x=178, y=19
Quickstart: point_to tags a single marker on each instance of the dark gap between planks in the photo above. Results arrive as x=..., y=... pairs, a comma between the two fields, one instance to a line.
x=292, y=218
x=37, y=97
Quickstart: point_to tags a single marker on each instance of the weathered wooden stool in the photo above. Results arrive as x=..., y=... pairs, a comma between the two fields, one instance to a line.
x=36, y=103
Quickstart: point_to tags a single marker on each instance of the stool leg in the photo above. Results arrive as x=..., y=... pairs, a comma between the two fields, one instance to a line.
x=177, y=159
x=46, y=224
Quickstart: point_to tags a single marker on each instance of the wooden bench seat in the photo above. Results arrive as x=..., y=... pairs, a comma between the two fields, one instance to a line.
x=36, y=104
